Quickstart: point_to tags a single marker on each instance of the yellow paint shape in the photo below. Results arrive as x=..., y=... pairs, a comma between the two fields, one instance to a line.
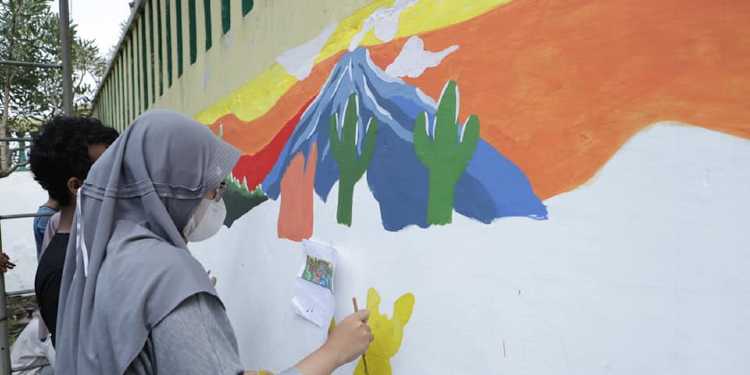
x=388, y=333
x=253, y=99
x=258, y=96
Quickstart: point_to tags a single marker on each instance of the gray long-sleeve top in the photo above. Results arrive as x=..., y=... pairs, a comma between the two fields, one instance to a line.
x=196, y=338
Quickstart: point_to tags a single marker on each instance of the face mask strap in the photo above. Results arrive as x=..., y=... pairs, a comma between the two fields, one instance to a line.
x=220, y=191
x=80, y=239
x=197, y=216
x=199, y=227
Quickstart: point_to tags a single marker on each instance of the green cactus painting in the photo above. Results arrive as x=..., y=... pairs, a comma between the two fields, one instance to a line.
x=352, y=164
x=445, y=149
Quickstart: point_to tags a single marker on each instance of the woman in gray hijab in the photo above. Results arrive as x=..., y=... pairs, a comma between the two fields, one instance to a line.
x=133, y=300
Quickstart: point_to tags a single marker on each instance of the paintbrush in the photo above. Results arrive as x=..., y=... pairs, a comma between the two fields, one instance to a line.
x=364, y=359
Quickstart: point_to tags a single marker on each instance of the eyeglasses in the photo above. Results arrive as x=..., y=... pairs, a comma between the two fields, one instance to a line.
x=220, y=191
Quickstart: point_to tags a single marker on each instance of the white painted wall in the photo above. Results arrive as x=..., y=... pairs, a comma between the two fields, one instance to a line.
x=644, y=270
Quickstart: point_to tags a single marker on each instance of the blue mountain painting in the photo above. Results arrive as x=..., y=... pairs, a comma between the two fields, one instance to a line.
x=491, y=186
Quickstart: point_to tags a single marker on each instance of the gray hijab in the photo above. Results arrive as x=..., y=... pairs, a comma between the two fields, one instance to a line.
x=127, y=265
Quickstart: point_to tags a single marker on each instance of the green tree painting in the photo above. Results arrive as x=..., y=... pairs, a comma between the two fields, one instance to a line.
x=352, y=165
x=445, y=149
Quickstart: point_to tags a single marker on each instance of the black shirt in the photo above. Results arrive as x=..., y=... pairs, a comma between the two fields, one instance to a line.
x=48, y=278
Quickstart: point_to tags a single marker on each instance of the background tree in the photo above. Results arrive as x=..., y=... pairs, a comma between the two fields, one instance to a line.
x=29, y=31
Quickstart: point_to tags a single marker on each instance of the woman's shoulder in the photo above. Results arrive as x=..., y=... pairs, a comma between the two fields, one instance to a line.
x=142, y=267
x=128, y=237
x=134, y=249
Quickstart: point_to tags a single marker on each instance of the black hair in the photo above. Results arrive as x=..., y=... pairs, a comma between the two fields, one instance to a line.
x=102, y=135
x=60, y=151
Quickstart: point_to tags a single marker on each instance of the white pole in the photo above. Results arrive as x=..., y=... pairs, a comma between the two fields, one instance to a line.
x=4, y=342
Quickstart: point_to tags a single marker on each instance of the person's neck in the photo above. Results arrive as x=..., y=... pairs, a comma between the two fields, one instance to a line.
x=66, y=218
x=51, y=203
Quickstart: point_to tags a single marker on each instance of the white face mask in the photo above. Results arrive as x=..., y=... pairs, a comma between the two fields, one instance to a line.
x=206, y=221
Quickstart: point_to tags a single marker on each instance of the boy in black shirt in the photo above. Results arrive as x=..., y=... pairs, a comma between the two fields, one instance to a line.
x=61, y=156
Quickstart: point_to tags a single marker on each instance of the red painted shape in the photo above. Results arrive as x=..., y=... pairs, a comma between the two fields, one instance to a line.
x=253, y=168
x=296, y=212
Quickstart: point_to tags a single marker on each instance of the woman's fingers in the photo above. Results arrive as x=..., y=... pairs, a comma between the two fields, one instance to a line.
x=5, y=260
x=351, y=337
x=5, y=263
x=363, y=315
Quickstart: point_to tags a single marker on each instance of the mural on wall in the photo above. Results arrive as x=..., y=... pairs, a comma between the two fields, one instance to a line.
x=554, y=106
x=397, y=178
x=571, y=160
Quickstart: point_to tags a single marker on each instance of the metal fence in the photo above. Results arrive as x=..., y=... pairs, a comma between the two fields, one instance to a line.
x=20, y=155
x=5, y=364
x=19, y=152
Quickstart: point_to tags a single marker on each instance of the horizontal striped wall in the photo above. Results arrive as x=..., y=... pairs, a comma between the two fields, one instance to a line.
x=185, y=55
